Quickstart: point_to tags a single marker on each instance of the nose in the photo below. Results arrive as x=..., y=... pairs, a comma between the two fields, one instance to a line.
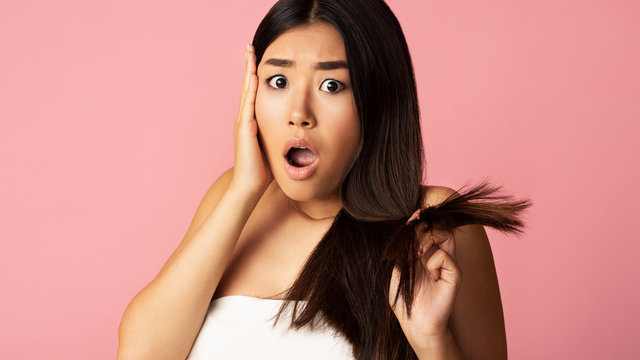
x=301, y=114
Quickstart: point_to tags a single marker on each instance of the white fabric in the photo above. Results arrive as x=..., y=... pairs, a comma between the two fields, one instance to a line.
x=240, y=327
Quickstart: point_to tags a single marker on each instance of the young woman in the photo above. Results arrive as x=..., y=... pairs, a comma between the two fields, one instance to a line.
x=324, y=210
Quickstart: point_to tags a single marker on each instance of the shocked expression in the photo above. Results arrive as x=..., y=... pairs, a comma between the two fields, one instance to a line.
x=306, y=112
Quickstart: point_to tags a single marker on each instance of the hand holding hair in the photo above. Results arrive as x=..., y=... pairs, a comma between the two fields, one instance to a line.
x=425, y=276
x=436, y=288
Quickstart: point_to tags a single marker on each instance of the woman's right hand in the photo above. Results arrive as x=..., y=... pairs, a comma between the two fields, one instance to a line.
x=251, y=172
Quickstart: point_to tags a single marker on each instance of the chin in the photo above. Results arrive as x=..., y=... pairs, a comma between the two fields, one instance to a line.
x=305, y=190
x=297, y=190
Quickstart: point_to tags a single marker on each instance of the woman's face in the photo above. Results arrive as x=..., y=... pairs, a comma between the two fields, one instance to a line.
x=297, y=98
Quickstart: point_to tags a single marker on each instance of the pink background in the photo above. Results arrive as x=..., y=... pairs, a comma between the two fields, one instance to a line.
x=116, y=116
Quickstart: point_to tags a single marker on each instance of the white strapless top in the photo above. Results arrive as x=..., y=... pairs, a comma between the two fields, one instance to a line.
x=241, y=327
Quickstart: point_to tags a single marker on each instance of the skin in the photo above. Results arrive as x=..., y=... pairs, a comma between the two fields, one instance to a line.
x=300, y=101
x=246, y=238
x=292, y=215
x=451, y=319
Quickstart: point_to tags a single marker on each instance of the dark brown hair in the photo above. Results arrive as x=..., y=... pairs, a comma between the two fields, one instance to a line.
x=346, y=278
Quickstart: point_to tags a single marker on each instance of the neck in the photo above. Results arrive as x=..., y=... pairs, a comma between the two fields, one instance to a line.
x=317, y=209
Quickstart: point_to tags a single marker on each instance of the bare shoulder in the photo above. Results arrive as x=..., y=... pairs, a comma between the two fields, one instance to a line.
x=435, y=194
x=215, y=192
x=218, y=187
x=478, y=306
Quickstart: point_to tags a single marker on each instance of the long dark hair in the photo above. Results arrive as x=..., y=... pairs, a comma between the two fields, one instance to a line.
x=346, y=278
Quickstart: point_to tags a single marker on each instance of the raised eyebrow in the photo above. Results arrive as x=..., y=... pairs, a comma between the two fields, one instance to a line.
x=324, y=65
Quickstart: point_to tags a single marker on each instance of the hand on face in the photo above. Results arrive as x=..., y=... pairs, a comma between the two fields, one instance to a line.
x=251, y=172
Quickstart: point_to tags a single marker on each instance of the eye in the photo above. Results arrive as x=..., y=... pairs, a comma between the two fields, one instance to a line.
x=279, y=83
x=332, y=85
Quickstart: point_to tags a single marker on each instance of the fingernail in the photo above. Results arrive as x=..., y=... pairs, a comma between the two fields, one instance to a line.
x=416, y=215
x=248, y=47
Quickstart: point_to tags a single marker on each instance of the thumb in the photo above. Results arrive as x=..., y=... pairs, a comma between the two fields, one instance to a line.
x=393, y=285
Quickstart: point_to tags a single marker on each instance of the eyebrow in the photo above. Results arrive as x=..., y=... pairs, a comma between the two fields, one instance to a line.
x=324, y=65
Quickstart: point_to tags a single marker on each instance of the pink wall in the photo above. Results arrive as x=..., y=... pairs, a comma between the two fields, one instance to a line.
x=116, y=116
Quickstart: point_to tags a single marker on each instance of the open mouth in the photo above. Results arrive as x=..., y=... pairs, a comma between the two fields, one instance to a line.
x=300, y=156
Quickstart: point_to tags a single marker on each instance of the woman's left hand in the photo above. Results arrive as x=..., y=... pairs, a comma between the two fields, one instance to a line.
x=436, y=290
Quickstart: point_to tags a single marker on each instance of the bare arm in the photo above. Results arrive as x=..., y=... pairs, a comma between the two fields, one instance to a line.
x=164, y=318
x=477, y=320
x=477, y=323
x=477, y=328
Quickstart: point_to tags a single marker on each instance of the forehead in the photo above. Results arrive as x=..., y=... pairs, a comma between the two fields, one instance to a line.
x=308, y=43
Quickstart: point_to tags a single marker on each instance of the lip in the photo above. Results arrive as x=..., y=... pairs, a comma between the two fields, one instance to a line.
x=299, y=173
x=298, y=143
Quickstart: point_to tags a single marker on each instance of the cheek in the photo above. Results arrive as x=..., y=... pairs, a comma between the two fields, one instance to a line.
x=345, y=124
x=263, y=111
x=266, y=117
x=348, y=140
x=267, y=108
x=258, y=108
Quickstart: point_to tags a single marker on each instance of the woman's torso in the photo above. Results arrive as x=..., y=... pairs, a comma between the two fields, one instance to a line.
x=242, y=328
x=272, y=248
x=269, y=254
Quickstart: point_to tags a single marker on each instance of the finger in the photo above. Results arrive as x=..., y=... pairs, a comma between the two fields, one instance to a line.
x=249, y=100
x=247, y=77
x=252, y=59
x=425, y=240
x=393, y=284
x=250, y=94
x=415, y=216
x=444, y=240
x=443, y=267
x=393, y=289
x=247, y=69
